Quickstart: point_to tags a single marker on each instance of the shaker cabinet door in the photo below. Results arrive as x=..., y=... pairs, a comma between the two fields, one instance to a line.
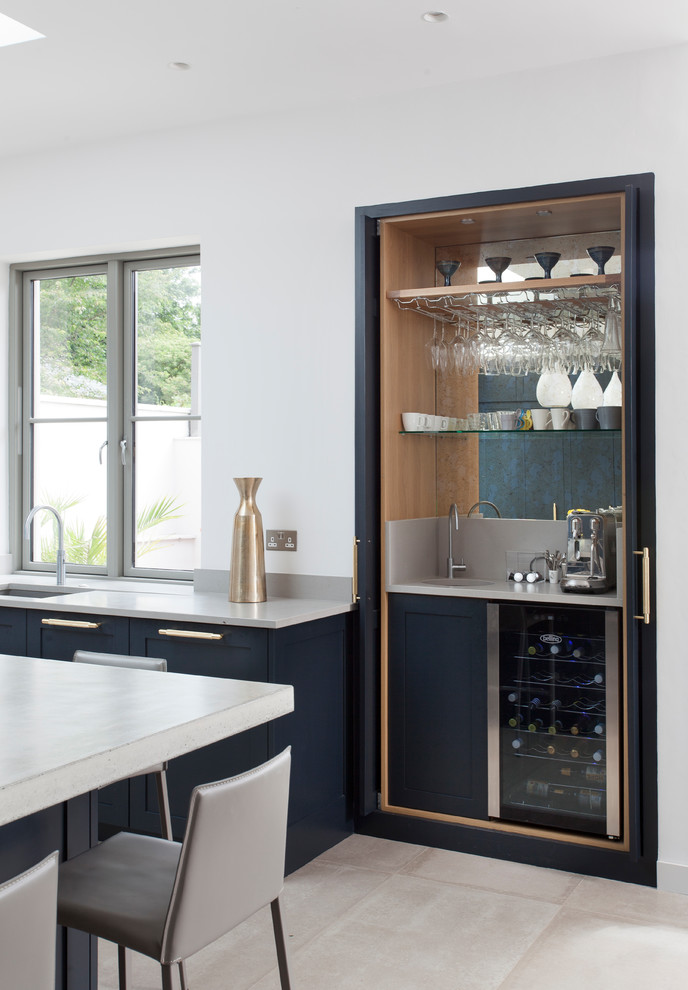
x=240, y=653
x=437, y=705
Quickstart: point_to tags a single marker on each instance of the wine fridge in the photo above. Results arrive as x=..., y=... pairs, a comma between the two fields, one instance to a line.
x=553, y=717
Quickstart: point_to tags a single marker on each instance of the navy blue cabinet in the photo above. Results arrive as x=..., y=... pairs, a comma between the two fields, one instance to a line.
x=13, y=631
x=56, y=635
x=438, y=705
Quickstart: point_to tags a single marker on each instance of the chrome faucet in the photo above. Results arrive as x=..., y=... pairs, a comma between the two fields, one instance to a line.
x=61, y=568
x=483, y=501
x=453, y=518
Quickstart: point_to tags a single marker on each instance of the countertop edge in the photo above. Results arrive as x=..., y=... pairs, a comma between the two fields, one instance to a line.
x=507, y=591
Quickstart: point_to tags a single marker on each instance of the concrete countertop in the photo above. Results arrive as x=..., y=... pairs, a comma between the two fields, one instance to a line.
x=510, y=591
x=69, y=728
x=158, y=600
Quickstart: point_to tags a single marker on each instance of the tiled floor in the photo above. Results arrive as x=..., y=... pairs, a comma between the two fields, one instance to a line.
x=372, y=914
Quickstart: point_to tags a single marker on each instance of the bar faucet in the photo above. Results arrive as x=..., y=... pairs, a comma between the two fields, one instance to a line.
x=483, y=501
x=453, y=518
x=61, y=566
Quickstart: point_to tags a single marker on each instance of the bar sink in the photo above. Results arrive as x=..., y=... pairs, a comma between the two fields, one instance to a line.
x=460, y=582
x=18, y=592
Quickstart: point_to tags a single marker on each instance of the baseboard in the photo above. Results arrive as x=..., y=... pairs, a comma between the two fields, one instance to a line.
x=672, y=877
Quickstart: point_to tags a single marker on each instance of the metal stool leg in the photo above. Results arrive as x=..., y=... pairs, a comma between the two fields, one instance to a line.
x=280, y=944
x=163, y=804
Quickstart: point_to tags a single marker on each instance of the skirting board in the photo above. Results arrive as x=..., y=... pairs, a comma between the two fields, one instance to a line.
x=672, y=877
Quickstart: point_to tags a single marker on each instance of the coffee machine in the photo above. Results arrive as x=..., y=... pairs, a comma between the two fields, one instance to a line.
x=591, y=552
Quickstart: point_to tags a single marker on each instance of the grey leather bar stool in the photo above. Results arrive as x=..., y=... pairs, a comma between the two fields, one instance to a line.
x=160, y=769
x=28, y=927
x=169, y=900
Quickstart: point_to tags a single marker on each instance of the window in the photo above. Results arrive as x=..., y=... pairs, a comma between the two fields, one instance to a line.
x=110, y=433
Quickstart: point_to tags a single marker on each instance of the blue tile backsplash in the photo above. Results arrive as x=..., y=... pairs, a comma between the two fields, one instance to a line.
x=526, y=472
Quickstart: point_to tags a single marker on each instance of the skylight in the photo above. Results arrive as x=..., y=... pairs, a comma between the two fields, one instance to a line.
x=14, y=33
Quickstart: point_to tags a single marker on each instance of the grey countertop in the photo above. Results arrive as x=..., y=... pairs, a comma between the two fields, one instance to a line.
x=157, y=600
x=510, y=591
x=69, y=728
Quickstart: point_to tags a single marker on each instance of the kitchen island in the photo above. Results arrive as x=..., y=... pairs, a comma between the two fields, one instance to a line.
x=67, y=729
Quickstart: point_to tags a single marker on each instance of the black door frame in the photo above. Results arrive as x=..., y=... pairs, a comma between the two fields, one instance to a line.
x=639, y=864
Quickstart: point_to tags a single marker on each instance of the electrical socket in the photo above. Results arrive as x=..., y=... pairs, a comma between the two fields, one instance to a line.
x=280, y=539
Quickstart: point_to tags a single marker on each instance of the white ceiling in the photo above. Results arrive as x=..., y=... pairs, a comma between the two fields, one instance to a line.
x=101, y=70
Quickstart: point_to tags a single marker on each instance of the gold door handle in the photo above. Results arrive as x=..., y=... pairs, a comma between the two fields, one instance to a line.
x=645, y=554
x=354, y=582
x=71, y=623
x=190, y=634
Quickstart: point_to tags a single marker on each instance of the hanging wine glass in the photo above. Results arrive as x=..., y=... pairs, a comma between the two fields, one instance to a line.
x=443, y=353
x=447, y=269
x=547, y=260
x=432, y=352
x=498, y=266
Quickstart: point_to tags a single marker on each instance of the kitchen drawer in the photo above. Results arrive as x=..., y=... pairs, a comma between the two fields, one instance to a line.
x=13, y=631
x=56, y=635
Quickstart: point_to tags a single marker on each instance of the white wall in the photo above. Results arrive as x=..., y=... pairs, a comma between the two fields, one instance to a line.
x=272, y=202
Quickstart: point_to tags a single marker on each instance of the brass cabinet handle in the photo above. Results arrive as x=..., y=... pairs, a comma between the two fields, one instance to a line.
x=354, y=583
x=190, y=634
x=645, y=554
x=71, y=623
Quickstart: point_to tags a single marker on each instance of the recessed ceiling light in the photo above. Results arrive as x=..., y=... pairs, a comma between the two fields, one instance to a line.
x=543, y=213
x=467, y=220
x=14, y=33
x=434, y=16
x=178, y=66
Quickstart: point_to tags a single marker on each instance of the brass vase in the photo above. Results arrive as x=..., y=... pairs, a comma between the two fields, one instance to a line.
x=247, y=573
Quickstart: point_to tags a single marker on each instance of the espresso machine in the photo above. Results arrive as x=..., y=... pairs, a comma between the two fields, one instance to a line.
x=591, y=552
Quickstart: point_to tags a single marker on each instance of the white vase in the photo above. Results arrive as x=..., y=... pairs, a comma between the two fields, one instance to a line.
x=553, y=389
x=587, y=392
x=612, y=393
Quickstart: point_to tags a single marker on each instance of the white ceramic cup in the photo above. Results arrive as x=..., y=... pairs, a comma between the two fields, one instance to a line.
x=414, y=422
x=560, y=417
x=542, y=419
x=441, y=422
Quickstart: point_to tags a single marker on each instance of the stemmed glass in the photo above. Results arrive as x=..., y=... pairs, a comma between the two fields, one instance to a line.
x=547, y=260
x=600, y=255
x=447, y=269
x=498, y=266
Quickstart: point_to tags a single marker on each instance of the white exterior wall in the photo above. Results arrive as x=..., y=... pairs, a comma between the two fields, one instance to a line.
x=271, y=201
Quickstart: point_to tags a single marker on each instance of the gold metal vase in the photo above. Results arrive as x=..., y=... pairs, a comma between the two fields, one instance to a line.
x=247, y=572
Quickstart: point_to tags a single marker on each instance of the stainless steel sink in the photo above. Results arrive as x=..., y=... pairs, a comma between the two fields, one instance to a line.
x=460, y=582
x=17, y=592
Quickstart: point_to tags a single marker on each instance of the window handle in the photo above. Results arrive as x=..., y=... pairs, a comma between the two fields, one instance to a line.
x=100, y=451
x=123, y=451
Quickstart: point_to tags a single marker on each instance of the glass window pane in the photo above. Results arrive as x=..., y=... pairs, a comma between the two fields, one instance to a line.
x=69, y=476
x=69, y=342
x=168, y=324
x=167, y=501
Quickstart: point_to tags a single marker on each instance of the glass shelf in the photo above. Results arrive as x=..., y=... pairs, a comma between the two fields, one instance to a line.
x=487, y=433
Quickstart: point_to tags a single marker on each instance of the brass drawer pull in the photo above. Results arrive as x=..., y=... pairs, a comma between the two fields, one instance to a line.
x=190, y=634
x=71, y=623
x=645, y=554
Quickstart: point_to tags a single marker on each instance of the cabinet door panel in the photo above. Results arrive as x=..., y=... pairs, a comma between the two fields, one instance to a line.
x=13, y=631
x=110, y=634
x=438, y=705
x=242, y=654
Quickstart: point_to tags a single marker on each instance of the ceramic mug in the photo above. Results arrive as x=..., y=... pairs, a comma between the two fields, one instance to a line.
x=609, y=417
x=414, y=422
x=542, y=419
x=586, y=419
x=560, y=417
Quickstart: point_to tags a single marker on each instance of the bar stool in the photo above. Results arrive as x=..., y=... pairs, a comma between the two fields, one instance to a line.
x=28, y=909
x=160, y=769
x=169, y=900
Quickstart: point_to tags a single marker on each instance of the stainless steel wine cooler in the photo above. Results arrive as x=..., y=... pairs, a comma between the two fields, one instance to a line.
x=553, y=717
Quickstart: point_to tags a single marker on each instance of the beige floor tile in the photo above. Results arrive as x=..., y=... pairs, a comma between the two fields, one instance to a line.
x=413, y=933
x=580, y=950
x=372, y=854
x=314, y=897
x=630, y=900
x=494, y=874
